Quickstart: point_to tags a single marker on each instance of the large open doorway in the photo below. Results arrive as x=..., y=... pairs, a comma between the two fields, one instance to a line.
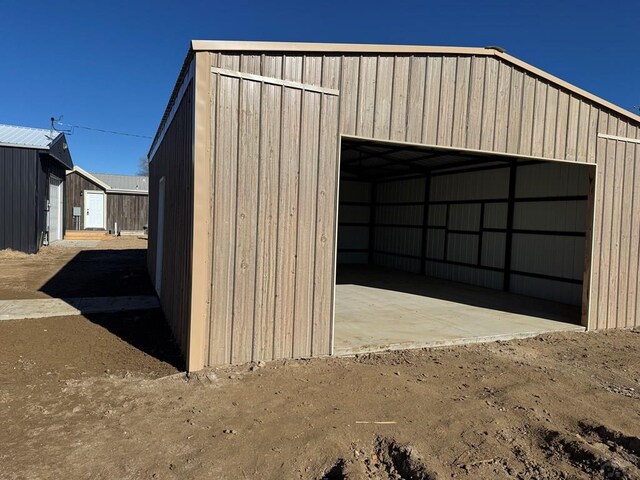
x=439, y=247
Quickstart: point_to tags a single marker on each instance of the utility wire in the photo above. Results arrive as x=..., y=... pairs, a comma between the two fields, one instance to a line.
x=102, y=131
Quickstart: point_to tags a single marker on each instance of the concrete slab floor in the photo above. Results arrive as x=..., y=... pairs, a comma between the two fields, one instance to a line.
x=381, y=309
x=58, y=307
x=75, y=243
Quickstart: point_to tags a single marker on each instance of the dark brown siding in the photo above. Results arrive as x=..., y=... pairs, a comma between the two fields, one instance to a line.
x=173, y=160
x=131, y=212
x=74, y=186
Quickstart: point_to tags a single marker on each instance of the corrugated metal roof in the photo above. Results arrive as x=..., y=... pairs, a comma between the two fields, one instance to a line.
x=26, y=137
x=124, y=182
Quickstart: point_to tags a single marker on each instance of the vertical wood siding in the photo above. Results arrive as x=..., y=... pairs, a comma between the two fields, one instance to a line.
x=274, y=168
x=130, y=211
x=173, y=160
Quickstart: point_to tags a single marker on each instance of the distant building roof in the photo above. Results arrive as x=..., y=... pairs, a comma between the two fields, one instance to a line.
x=124, y=182
x=112, y=183
x=14, y=136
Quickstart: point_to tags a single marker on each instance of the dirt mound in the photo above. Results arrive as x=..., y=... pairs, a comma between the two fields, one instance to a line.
x=599, y=452
x=387, y=460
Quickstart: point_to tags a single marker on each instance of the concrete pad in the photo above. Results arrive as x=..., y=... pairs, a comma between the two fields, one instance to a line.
x=75, y=243
x=378, y=309
x=58, y=307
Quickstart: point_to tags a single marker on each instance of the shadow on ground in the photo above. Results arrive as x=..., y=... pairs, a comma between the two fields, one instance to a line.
x=101, y=273
x=110, y=273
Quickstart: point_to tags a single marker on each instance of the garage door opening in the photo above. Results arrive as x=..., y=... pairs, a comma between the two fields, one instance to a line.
x=440, y=247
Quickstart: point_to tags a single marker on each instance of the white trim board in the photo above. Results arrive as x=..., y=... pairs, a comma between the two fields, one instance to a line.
x=274, y=81
x=620, y=139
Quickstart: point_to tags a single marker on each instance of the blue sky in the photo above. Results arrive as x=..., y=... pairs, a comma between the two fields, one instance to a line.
x=112, y=64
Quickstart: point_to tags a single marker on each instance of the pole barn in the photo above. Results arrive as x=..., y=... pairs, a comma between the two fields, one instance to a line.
x=316, y=199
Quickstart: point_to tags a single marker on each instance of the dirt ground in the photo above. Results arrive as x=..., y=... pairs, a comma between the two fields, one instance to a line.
x=103, y=398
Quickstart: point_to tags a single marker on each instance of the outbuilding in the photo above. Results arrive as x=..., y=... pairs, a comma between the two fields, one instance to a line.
x=315, y=199
x=106, y=202
x=32, y=166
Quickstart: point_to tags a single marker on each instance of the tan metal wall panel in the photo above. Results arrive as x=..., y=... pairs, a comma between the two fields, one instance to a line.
x=267, y=222
x=432, y=101
x=273, y=163
x=308, y=182
x=324, y=275
x=173, y=160
x=383, y=93
x=246, y=194
x=399, y=99
x=225, y=177
x=476, y=101
x=633, y=200
x=416, y=99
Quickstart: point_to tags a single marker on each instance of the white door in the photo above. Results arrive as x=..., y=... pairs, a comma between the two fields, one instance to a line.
x=160, y=236
x=55, y=210
x=93, y=209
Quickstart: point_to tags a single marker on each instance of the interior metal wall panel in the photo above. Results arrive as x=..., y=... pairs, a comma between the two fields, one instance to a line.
x=478, y=185
x=464, y=274
x=410, y=190
x=399, y=216
x=495, y=215
x=394, y=261
x=354, y=214
x=544, y=288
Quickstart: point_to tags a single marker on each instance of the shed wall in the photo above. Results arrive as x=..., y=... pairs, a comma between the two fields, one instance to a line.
x=19, y=220
x=131, y=212
x=488, y=104
x=173, y=160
